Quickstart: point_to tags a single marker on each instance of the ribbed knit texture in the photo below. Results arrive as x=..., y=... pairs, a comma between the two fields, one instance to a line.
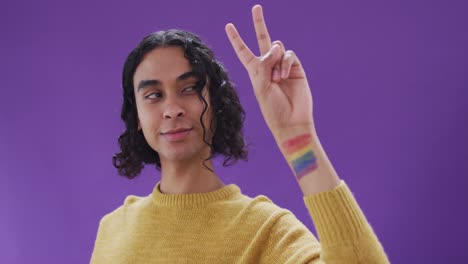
x=226, y=226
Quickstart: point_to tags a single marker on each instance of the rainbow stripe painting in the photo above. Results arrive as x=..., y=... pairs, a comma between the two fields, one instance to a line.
x=299, y=153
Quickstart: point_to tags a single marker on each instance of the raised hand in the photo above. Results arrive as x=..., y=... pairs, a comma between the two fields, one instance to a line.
x=278, y=79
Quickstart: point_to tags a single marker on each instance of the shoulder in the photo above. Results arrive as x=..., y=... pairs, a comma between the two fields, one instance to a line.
x=284, y=237
x=130, y=207
x=262, y=209
x=265, y=204
x=272, y=221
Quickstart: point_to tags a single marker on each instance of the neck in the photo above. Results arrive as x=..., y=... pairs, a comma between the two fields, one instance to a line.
x=188, y=177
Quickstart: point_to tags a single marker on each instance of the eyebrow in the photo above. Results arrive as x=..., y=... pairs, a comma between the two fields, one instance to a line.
x=146, y=83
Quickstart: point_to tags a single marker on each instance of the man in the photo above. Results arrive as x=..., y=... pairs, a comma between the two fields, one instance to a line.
x=180, y=110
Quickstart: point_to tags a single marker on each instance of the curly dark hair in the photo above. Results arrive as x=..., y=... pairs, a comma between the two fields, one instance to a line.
x=228, y=113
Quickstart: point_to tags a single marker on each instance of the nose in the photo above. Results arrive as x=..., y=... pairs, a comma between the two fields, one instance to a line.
x=173, y=110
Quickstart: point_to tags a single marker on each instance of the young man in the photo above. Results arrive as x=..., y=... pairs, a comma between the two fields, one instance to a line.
x=180, y=110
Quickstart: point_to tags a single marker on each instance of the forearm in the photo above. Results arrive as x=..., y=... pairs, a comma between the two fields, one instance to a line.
x=345, y=234
x=307, y=159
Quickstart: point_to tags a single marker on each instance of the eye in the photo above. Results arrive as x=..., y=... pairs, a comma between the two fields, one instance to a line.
x=153, y=95
x=190, y=89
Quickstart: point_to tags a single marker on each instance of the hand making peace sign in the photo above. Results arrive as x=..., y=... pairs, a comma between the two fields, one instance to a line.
x=278, y=79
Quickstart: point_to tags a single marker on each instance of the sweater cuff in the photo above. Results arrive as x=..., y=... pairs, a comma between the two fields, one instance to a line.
x=337, y=216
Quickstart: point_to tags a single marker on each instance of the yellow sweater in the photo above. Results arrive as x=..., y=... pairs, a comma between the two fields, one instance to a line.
x=226, y=226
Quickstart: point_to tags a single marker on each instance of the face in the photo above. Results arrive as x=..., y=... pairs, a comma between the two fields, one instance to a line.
x=169, y=108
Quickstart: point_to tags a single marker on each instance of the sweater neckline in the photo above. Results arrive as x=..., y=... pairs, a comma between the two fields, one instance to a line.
x=221, y=194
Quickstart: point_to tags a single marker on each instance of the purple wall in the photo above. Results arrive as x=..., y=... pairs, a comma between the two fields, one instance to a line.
x=390, y=90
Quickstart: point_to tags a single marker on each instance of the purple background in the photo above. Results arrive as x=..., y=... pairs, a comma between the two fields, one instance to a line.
x=389, y=82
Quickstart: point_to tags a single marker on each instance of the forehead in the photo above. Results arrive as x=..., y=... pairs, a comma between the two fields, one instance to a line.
x=164, y=64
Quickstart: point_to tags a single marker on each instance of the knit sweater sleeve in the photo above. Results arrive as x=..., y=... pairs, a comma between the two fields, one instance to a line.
x=344, y=233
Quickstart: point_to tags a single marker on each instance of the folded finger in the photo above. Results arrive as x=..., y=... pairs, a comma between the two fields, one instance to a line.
x=287, y=62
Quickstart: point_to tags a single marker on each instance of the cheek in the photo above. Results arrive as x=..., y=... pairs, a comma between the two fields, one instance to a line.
x=150, y=131
x=210, y=123
x=207, y=116
x=148, y=122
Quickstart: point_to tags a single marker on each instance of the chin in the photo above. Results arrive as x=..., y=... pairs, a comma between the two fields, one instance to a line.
x=180, y=154
x=185, y=154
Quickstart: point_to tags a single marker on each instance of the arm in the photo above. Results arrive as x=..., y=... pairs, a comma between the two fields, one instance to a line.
x=307, y=159
x=284, y=96
x=285, y=99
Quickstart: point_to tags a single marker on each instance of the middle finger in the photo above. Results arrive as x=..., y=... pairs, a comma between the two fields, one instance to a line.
x=263, y=38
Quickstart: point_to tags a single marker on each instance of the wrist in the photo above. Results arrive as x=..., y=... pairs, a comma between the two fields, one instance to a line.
x=284, y=134
x=307, y=159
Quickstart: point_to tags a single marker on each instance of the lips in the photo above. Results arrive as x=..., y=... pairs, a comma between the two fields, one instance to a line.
x=176, y=134
x=175, y=131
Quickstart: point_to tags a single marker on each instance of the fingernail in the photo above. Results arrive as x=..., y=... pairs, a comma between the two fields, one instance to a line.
x=275, y=49
x=283, y=74
x=276, y=75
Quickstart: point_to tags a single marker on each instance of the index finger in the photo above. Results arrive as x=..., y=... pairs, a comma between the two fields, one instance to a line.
x=263, y=38
x=243, y=52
